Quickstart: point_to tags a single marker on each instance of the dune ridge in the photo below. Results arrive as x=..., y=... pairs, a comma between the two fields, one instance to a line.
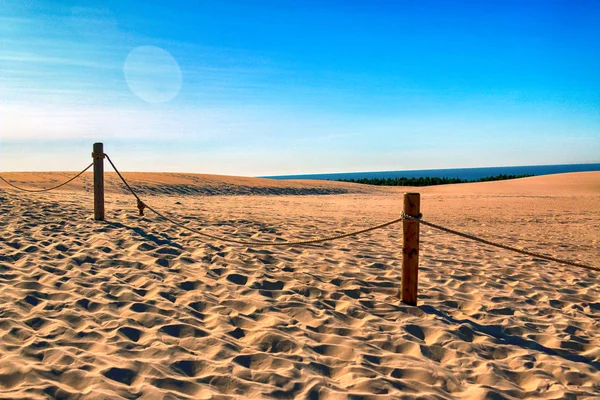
x=185, y=184
x=136, y=308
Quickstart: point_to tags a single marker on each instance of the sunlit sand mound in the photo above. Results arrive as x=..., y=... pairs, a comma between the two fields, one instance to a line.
x=137, y=308
x=575, y=183
x=202, y=184
x=185, y=184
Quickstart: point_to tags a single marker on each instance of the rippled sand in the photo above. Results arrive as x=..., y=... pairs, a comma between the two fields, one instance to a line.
x=136, y=308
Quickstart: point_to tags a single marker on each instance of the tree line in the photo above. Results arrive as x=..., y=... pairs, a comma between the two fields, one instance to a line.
x=428, y=180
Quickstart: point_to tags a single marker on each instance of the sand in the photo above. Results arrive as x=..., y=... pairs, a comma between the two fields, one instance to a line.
x=137, y=308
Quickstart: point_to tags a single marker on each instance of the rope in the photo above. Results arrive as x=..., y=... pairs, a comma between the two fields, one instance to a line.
x=142, y=205
x=47, y=189
x=500, y=245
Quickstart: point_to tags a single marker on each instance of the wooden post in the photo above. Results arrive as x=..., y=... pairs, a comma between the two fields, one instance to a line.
x=98, y=155
x=410, y=249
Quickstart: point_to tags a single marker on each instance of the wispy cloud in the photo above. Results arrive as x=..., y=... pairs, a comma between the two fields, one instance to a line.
x=77, y=122
x=29, y=58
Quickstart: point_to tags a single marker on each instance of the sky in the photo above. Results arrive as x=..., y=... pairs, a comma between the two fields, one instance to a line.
x=287, y=87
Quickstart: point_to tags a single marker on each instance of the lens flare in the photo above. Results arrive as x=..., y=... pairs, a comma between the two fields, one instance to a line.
x=152, y=74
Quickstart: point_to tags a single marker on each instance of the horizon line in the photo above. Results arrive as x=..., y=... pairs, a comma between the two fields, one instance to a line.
x=325, y=173
x=427, y=169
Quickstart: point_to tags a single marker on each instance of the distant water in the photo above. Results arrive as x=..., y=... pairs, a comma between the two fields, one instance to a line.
x=462, y=173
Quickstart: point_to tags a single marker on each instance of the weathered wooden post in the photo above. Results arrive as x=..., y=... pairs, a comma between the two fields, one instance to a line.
x=98, y=155
x=410, y=249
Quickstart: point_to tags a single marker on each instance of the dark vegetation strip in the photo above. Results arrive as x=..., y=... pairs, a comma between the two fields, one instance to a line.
x=428, y=180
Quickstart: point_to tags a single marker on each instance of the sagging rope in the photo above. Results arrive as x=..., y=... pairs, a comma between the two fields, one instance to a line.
x=500, y=245
x=141, y=205
x=46, y=189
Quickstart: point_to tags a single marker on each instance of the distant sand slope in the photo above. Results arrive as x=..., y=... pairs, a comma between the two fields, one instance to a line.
x=202, y=184
x=576, y=183
x=186, y=184
x=136, y=308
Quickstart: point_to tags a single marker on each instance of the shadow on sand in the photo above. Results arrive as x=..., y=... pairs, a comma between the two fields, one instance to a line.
x=161, y=240
x=504, y=338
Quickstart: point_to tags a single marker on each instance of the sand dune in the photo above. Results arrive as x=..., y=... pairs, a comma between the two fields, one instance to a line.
x=185, y=184
x=136, y=308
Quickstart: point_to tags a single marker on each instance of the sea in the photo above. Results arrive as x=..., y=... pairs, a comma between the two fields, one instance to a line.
x=461, y=173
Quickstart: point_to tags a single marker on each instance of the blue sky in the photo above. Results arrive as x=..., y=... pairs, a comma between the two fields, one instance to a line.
x=282, y=87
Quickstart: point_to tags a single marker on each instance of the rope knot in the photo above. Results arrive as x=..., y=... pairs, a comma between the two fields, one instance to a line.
x=141, y=206
x=410, y=217
x=97, y=156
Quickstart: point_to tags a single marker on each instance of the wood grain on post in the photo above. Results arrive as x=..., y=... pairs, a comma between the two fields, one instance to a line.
x=98, y=155
x=410, y=249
